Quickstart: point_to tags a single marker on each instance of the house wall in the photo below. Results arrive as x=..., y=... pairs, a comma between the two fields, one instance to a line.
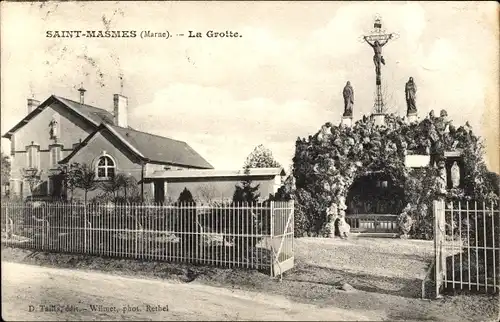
x=206, y=189
x=71, y=130
x=125, y=162
x=103, y=143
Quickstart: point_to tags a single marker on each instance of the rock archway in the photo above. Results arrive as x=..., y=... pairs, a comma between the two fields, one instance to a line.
x=330, y=166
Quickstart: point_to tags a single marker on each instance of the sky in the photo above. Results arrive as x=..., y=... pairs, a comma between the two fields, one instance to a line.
x=282, y=79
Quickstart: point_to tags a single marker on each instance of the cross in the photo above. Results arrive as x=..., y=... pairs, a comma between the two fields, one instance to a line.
x=377, y=39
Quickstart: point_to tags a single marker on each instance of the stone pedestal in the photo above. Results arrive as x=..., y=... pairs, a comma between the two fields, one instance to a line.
x=411, y=117
x=347, y=121
x=379, y=119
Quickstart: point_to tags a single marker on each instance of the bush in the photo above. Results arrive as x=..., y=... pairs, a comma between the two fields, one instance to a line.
x=186, y=196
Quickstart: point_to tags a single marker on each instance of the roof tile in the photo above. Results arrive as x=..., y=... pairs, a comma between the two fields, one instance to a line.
x=162, y=149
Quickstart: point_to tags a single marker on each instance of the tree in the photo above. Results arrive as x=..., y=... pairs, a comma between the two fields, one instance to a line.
x=33, y=178
x=113, y=185
x=245, y=192
x=5, y=169
x=58, y=184
x=83, y=177
x=120, y=182
x=69, y=178
x=208, y=192
x=185, y=196
x=493, y=182
x=261, y=157
x=129, y=186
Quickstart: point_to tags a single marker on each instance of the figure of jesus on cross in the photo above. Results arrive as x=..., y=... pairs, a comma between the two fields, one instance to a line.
x=377, y=39
x=377, y=57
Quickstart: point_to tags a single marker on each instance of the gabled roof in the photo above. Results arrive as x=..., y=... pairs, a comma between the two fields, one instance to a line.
x=253, y=172
x=96, y=114
x=150, y=148
x=92, y=114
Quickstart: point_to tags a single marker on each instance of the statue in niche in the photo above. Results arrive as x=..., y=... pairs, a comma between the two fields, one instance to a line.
x=455, y=175
x=348, y=94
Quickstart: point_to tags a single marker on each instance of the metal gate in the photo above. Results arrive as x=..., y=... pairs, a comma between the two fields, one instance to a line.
x=282, y=234
x=373, y=223
x=467, y=246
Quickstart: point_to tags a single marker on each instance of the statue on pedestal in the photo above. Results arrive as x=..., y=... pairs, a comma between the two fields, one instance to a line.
x=53, y=125
x=332, y=214
x=324, y=133
x=410, y=94
x=442, y=179
x=405, y=221
x=348, y=93
x=342, y=228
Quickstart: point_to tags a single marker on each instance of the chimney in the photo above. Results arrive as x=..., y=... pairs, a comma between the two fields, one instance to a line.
x=32, y=104
x=120, y=103
x=82, y=95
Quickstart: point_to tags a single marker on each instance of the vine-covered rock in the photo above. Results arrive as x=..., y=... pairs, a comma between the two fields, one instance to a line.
x=326, y=164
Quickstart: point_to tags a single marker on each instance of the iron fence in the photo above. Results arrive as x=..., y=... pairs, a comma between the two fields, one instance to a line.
x=250, y=235
x=467, y=246
x=373, y=223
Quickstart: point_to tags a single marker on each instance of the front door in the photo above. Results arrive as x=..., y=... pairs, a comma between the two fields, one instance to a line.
x=159, y=189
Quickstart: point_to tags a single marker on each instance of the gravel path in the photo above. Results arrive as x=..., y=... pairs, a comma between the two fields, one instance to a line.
x=386, y=265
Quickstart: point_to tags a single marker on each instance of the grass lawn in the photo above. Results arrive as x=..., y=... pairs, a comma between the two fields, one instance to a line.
x=386, y=275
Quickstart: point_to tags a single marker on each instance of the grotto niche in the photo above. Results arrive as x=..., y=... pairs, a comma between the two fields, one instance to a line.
x=374, y=193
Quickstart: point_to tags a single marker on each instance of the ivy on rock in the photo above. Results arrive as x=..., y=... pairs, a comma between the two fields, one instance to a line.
x=326, y=164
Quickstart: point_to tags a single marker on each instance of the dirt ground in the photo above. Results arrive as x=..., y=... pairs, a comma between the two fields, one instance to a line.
x=386, y=275
x=77, y=295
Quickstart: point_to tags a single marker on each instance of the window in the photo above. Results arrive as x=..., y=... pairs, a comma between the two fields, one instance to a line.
x=105, y=167
x=33, y=157
x=55, y=155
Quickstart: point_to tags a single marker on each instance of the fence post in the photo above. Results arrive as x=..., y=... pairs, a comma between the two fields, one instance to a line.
x=271, y=237
x=438, y=216
x=136, y=232
x=85, y=228
x=292, y=209
x=45, y=235
x=9, y=229
x=196, y=232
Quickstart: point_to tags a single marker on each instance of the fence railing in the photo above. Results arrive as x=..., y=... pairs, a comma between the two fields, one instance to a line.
x=467, y=246
x=251, y=235
x=373, y=223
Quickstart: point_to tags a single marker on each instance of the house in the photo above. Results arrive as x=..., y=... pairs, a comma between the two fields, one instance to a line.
x=61, y=131
x=211, y=185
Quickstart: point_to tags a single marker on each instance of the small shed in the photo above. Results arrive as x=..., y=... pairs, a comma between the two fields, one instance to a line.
x=212, y=185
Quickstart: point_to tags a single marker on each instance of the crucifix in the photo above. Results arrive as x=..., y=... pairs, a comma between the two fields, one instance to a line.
x=378, y=39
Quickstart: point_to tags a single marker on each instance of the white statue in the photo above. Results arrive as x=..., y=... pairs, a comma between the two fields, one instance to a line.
x=343, y=226
x=53, y=125
x=332, y=213
x=324, y=133
x=342, y=205
x=442, y=179
x=455, y=175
